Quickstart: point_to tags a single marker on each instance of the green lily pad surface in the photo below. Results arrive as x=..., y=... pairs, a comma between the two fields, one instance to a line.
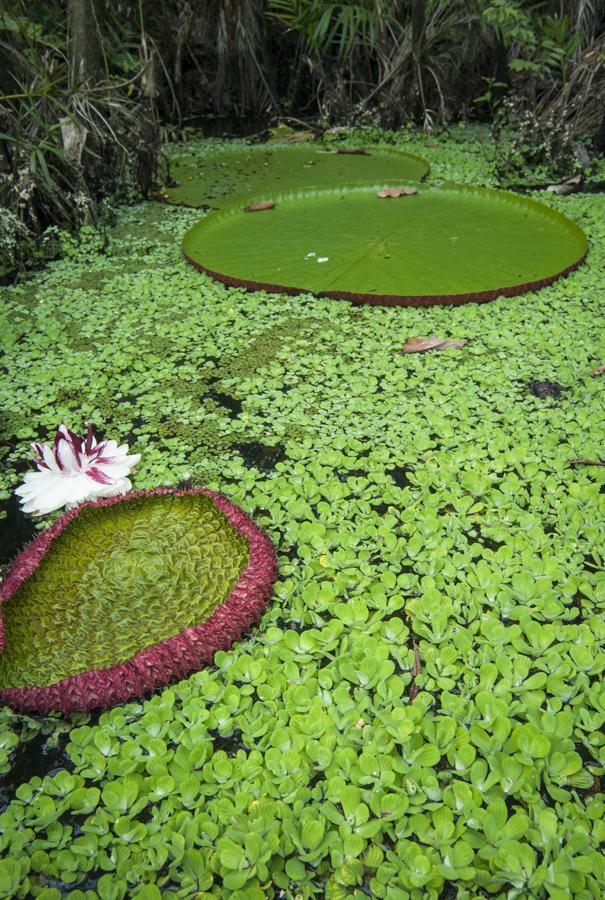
x=119, y=579
x=228, y=174
x=446, y=244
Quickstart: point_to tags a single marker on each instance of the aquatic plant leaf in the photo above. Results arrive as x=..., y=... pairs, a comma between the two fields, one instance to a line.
x=124, y=594
x=449, y=245
x=406, y=495
x=234, y=172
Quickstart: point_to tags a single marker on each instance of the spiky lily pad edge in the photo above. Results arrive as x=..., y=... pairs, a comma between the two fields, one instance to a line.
x=170, y=659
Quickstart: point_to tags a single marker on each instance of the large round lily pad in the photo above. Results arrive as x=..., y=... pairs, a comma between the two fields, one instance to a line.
x=440, y=245
x=224, y=175
x=121, y=596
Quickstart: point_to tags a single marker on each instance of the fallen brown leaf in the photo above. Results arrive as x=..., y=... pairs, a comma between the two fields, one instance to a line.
x=396, y=192
x=566, y=187
x=259, y=207
x=452, y=344
x=417, y=667
x=421, y=345
x=598, y=371
x=352, y=151
x=586, y=462
x=596, y=786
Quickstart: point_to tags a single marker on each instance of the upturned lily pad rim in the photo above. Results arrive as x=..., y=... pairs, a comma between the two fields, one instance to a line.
x=326, y=149
x=168, y=660
x=447, y=299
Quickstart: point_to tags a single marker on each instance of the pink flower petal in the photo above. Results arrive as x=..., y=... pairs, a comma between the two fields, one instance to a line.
x=99, y=476
x=90, y=440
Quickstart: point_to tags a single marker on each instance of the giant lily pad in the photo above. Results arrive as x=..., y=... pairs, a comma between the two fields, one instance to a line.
x=224, y=175
x=123, y=595
x=440, y=245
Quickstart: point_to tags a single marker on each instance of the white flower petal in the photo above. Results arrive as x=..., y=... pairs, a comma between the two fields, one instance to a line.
x=67, y=458
x=42, y=492
x=110, y=448
x=49, y=458
x=67, y=480
x=118, y=468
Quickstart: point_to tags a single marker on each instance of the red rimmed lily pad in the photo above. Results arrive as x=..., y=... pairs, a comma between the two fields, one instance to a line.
x=122, y=596
x=440, y=245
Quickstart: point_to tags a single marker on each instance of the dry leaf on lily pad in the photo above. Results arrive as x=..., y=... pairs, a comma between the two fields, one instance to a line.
x=421, y=345
x=396, y=192
x=352, y=151
x=259, y=207
x=600, y=370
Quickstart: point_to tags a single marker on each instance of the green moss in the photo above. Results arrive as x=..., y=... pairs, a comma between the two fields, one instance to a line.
x=117, y=580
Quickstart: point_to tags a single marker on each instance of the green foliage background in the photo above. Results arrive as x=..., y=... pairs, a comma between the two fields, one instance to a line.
x=415, y=501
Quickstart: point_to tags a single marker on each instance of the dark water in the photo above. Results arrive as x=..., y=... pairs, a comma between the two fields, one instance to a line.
x=399, y=474
x=33, y=758
x=16, y=530
x=231, y=403
x=546, y=389
x=260, y=456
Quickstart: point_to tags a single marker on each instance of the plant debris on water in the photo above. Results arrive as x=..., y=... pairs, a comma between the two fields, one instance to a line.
x=421, y=345
x=421, y=711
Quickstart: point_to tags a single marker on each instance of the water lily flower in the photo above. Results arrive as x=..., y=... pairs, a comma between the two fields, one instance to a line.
x=75, y=469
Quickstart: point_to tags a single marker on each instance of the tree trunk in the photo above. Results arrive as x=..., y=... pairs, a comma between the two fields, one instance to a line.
x=148, y=144
x=418, y=35
x=86, y=57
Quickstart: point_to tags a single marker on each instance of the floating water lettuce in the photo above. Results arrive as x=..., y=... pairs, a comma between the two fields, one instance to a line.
x=421, y=497
x=444, y=245
x=122, y=596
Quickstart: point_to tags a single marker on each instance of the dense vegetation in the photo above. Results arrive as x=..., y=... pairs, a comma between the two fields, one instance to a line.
x=89, y=87
x=420, y=712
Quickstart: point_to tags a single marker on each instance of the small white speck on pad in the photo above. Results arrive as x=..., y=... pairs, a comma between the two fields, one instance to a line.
x=310, y=254
x=322, y=258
